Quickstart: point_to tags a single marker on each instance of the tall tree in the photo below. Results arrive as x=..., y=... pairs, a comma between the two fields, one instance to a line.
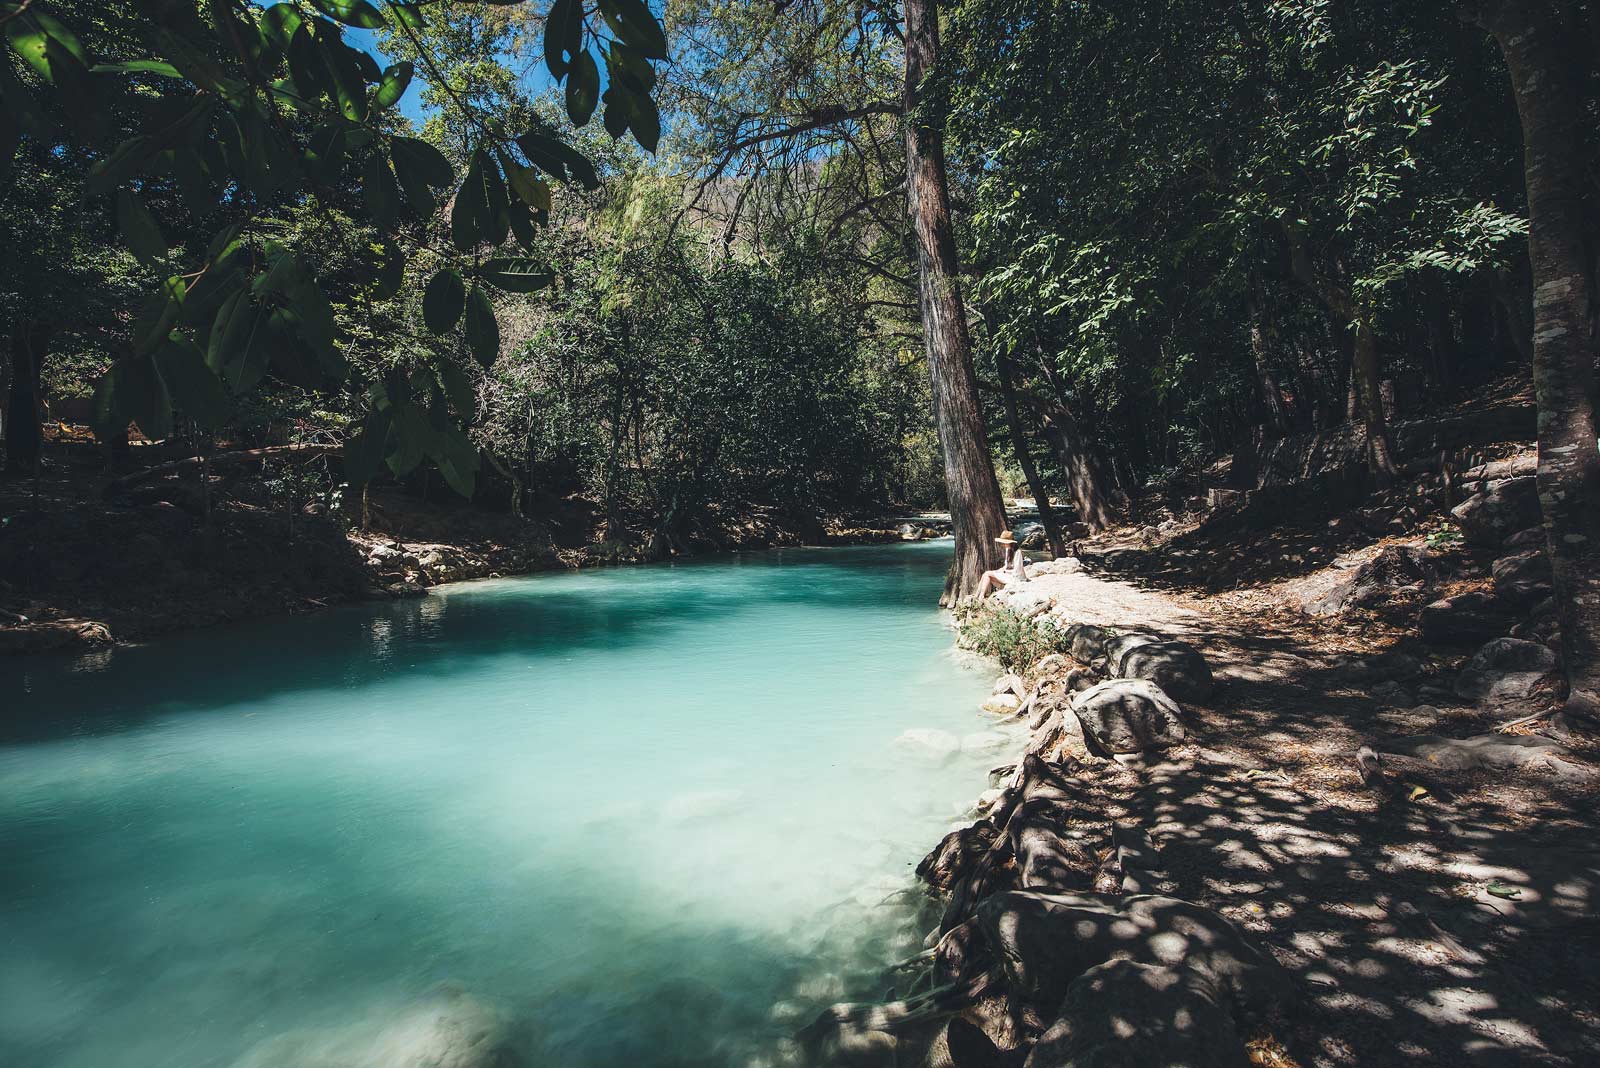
x=1545, y=81
x=976, y=511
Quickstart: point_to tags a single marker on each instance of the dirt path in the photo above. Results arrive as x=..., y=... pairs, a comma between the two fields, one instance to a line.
x=1437, y=918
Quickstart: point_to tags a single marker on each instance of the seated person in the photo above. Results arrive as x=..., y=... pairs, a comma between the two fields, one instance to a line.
x=1012, y=569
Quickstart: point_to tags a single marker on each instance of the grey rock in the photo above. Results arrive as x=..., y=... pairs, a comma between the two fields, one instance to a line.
x=1129, y=715
x=1396, y=568
x=1505, y=507
x=1177, y=667
x=1505, y=668
x=1523, y=579
x=1466, y=618
x=1533, y=537
x=1087, y=642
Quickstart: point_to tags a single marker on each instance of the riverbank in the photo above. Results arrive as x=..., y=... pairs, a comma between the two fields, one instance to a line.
x=1328, y=845
x=79, y=571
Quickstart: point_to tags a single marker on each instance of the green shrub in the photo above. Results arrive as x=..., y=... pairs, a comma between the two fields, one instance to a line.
x=1016, y=641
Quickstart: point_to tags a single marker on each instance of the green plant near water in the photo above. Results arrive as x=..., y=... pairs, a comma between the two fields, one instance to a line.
x=1015, y=640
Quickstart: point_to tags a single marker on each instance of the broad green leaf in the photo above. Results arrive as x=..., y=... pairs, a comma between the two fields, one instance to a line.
x=456, y=457
x=138, y=66
x=358, y=13
x=458, y=387
x=483, y=332
x=344, y=70
x=421, y=158
x=494, y=222
x=159, y=314
x=194, y=389
x=443, y=301
x=411, y=436
x=515, y=274
x=468, y=213
x=583, y=88
x=279, y=23
x=365, y=450
x=529, y=187
x=408, y=15
x=393, y=84
x=558, y=159
x=632, y=21
x=126, y=160
x=32, y=32
x=522, y=223
x=139, y=229
x=138, y=394
x=563, y=35
x=379, y=189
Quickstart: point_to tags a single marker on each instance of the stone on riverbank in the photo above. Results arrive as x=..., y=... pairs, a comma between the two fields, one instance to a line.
x=1505, y=668
x=1129, y=715
x=1177, y=667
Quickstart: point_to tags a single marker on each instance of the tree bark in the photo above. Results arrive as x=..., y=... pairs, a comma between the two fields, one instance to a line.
x=1019, y=445
x=1548, y=102
x=976, y=512
x=24, y=434
x=1271, y=396
x=1086, y=476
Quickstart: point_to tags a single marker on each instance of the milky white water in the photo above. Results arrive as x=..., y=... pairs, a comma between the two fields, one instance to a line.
x=651, y=815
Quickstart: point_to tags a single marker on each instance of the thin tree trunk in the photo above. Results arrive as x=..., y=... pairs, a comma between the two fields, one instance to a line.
x=24, y=435
x=1086, y=476
x=1019, y=445
x=976, y=511
x=1271, y=396
x=1563, y=342
x=1364, y=378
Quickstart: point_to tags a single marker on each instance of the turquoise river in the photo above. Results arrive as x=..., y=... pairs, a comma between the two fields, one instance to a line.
x=650, y=816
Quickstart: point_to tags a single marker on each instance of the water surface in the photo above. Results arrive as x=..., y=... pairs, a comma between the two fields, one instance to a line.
x=633, y=809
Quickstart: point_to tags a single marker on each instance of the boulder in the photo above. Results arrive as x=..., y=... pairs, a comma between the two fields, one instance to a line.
x=1396, y=568
x=1505, y=506
x=1466, y=618
x=1031, y=535
x=1050, y=665
x=1505, y=668
x=1002, y=704
x=1531, y=538
x=1123, y=1014
x=1129, y=715
x=1087, y=642
x=1177, y=667
x=1011, y=682
x=1025, y=599
x=1523, y=579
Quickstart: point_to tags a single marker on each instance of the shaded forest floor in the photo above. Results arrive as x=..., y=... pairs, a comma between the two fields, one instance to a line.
x=1434, y=917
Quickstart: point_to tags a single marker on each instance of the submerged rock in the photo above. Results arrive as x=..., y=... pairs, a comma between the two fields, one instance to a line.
x=1002, y=704
x=1129, y=715
x=448, y=1028
x=930, y=742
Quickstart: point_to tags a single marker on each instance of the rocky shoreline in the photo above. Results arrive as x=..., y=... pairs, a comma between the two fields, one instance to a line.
x=1055, y=946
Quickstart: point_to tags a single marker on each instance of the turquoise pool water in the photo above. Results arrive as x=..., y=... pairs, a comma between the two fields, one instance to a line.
x=653, y=816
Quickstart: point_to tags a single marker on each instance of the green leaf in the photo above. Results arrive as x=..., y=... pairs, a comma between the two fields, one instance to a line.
x=393, y=84
x=412, y=436
x=194, y=389
x=458, y=387
x=126, y=160
x=32, y=34
x=279, y=23
x=239, y=350
x=645, y=123
x=522, y=224
x=364, y=451
x=563, y=35
x=138, y=66
x=456, y=458
x=494, y=221
x=159, y=314
x=515, y=274
x=408, y=15
x=443, y=301
x=358, y=13
x=344, y=70
x=558, y=159
x=139, y=229
x=138, y=394
x=470, y=207
x=427, y=162
x=583, y=88
x=483, y=332
x=632, y=21
x=528, y=186
x=381, y=193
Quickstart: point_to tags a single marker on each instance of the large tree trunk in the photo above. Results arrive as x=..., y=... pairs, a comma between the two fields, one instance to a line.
x=976, y=511
x=1563, y=343
x=24, y=435
x=1019, y=445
